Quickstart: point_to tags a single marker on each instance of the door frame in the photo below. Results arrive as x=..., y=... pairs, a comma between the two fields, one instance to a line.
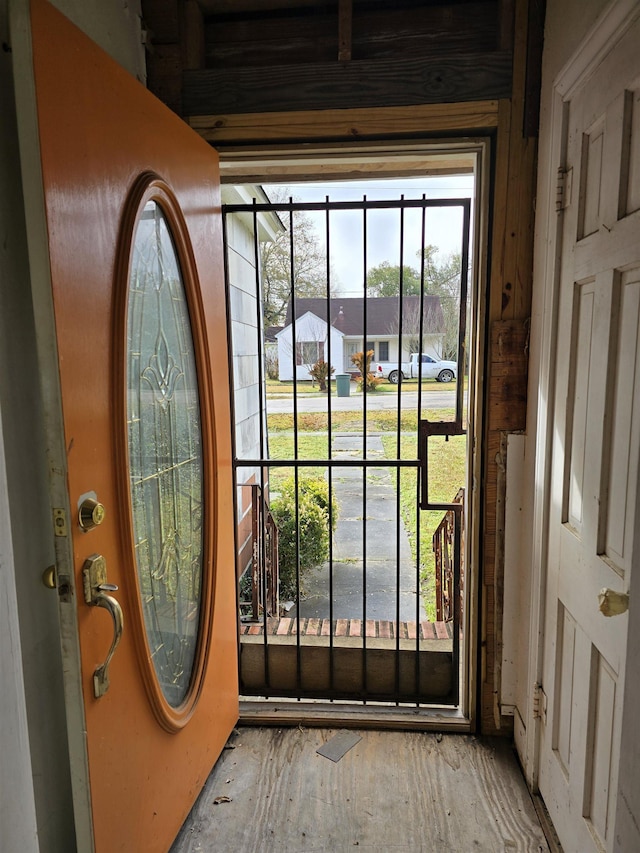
x=50, y=391
x=482, y=146
x=605, y=32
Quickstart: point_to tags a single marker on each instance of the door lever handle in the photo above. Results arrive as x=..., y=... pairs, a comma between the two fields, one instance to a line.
x=96, y=589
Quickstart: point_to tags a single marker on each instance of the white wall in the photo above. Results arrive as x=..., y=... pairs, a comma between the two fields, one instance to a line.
x=248, y=394
x=115, y=25
x=308, y=328
x=18, y=828
x=513, y=683
x=245, y=316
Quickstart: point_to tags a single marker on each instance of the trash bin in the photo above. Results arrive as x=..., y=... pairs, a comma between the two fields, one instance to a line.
x=343, y=384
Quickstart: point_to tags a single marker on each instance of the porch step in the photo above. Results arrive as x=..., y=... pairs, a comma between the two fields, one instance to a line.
x=285, y=627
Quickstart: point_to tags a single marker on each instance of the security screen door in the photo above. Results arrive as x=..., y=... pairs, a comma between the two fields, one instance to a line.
x=352, y=480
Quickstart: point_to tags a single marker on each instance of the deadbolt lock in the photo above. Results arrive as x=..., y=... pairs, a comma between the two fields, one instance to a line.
x=91, y=514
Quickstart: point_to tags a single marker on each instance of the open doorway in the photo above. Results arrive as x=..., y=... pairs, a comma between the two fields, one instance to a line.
x=356, y=328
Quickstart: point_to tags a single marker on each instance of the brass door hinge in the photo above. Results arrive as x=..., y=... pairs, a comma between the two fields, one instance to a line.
x=563, y=188
x=539, y=703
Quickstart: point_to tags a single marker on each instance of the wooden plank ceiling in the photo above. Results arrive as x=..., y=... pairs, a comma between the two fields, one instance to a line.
x=231, y=57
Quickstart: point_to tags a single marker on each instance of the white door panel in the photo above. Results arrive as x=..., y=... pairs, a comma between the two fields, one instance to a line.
x=595, y=451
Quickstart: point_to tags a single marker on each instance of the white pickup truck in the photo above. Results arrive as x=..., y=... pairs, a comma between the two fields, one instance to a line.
x=443, y=371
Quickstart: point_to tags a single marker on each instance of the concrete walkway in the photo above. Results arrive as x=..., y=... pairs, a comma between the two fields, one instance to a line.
x=387, y=400
x=387, y=545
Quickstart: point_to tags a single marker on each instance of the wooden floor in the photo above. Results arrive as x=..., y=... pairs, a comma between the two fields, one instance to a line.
x=393, y=791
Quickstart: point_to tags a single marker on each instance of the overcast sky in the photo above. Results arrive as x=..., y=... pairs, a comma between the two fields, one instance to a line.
x=443, y=226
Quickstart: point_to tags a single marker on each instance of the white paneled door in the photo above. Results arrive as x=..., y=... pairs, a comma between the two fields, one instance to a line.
x=596, y=436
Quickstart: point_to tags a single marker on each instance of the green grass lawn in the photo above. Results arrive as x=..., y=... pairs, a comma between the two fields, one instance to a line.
x=377, y=421
x=310, y=446
x=446, y=469
x=446, y=475
x=275, y=388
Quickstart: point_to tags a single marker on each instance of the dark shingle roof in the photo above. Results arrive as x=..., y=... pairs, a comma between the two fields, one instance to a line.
x=270, y=333
x=347, y=313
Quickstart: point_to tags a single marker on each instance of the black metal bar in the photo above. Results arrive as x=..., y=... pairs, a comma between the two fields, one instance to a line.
x=399, y=449
x=418, y=514
x=364, y=449
x=260, y=330
x=426, y=429
x=329, y=445
x=259, y=327
x=462, y=323
x=457, y=543
x=385, y=204
x=328, y=463
x=296, y=472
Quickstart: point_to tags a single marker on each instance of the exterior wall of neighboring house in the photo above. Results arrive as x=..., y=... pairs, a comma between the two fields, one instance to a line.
x=246, y=347
x=271, y=351
x=311, y=344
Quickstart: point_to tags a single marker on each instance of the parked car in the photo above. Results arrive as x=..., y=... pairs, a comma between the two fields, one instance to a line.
x=432, y=368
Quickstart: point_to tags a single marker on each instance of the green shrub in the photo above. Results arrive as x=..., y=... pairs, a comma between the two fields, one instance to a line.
x=312, y=524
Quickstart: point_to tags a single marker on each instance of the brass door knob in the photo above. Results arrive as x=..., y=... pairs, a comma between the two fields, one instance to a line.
x=612, y=603
x=49, y=577
x=90, y=514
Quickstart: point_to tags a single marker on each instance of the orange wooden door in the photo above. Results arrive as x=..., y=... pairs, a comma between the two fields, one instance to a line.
x=131, y=198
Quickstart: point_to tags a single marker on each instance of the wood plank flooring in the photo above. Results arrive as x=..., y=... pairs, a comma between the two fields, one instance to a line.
x=394, y=791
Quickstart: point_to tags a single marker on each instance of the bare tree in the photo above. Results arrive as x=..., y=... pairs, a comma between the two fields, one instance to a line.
x=309, y=263
x=432, y=324
x=441, y=279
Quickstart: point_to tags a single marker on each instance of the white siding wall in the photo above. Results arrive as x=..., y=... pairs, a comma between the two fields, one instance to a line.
x=248, y=395
x=308, y=328
x=244, y=339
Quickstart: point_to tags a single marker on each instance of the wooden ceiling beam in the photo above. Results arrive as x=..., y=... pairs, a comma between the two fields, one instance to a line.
x=351, y=124
x=234, y=7
x=324, y=86
x=345, y=27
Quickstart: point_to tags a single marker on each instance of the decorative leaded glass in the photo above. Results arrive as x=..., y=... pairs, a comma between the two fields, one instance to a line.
x=165, y=454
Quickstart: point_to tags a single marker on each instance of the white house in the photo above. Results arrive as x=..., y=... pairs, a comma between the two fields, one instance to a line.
x=313, y=342
x=372, y=324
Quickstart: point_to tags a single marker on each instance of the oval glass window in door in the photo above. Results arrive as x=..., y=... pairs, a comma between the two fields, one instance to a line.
x=165, y=454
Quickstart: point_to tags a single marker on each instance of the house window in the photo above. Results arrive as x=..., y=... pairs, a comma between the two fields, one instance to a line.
x=370, y=345
x=308, y=352
x=383, y=351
